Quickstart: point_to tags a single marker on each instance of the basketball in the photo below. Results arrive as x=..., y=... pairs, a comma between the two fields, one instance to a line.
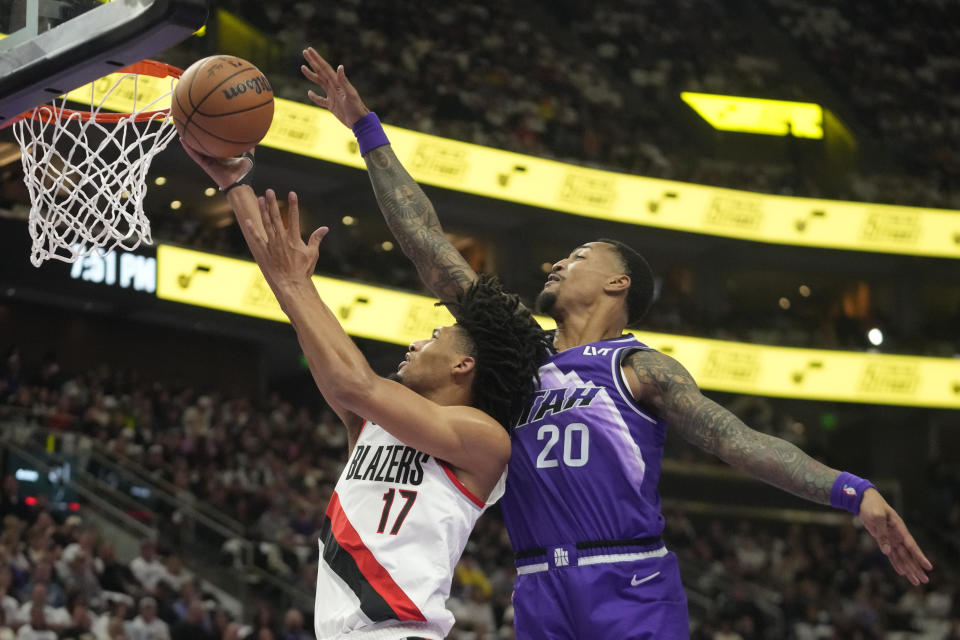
x=222, y=106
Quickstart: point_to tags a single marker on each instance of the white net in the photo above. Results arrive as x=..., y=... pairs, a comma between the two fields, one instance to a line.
x=87, y=178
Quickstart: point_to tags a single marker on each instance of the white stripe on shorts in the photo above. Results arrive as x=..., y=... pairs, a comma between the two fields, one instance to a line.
x=533, y=568
x=621, y=557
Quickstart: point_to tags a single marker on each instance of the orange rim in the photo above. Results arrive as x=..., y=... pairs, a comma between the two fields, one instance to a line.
x=47, y=113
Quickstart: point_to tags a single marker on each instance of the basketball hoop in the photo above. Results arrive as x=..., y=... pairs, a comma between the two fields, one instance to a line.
x=86, y=170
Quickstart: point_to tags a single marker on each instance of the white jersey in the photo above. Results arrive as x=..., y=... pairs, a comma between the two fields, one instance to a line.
x=393, y=532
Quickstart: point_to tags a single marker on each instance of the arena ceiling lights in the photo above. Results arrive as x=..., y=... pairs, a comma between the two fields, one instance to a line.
x=753, y=115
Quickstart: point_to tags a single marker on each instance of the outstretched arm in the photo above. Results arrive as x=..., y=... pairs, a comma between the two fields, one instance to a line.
x=661, y=383
x=405, y=207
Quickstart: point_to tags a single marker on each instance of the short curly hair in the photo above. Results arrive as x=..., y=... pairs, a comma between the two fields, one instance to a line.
x=507, y=344
x=642, y=284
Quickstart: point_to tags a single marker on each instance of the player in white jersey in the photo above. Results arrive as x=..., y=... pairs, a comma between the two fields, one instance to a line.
x=428, y=450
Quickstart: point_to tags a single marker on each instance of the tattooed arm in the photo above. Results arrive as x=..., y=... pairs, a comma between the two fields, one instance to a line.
x=405, y=207
x=661, y=383
x=413, y=222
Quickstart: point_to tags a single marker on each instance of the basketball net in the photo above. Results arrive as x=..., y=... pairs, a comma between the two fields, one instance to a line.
x=86, y=170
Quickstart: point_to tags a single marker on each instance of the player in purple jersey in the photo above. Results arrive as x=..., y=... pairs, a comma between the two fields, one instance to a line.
x=582, y=507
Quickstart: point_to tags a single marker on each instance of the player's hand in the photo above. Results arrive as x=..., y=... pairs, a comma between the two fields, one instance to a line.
x=224, y=171
x=341, y=98
x=283, y=256
x=887, y=528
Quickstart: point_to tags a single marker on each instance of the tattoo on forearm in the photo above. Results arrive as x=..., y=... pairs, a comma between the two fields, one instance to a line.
x=413, y=221
x=670, y=389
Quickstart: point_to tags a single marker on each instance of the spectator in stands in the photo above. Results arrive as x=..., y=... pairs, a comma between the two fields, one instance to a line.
x=181, y=604
x=11, y=502
x=36, y=627
x=147, y=567
x=78, y=575
x=6, y=631
x=473, y=612
x=293, y=627
x=55, y=617
x=114, y=576
x=106, y=625
x=40, y=545
x=196, y=624
x=8, y=604
x=80, y=626
x=175, y=574
x=147, y=626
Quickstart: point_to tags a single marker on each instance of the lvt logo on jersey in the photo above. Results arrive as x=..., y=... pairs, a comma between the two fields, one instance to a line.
x=550, y=402
x=387, y=463
x=591, y=350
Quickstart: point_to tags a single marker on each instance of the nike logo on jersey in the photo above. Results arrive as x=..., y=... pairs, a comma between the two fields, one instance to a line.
x=634, y=582
x=549, y=402
x=388, y=463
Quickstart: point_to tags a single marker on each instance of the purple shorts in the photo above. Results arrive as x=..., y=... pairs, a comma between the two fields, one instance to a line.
x=589, y=597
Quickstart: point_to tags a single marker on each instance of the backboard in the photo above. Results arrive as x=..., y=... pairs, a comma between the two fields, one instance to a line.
x=54, y=46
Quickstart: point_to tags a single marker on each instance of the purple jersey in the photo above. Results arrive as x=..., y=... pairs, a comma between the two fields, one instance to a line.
x=586, y=457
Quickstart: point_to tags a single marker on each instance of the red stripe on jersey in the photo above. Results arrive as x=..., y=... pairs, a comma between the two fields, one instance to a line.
x=459, y=485
x=378, y=577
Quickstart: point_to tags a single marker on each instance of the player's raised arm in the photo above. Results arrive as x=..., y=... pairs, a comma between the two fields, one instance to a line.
x=232, y=175
x=405, y=207
x=662, y=383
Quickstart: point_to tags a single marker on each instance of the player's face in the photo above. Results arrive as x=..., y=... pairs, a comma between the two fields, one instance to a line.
x=579, y=278
x=428, y=362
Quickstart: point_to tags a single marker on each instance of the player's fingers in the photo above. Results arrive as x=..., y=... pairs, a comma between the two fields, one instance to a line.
x=270, y=213
x=911, y=545
x=342, y=78
x=293, y=216
x=316, y=238
x=318, y=100
x=196, y=156
x=910, y=568
x=309, y=74
x=318, y=64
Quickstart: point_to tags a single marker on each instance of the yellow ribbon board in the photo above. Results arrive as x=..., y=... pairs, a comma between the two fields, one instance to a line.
x=237, y=286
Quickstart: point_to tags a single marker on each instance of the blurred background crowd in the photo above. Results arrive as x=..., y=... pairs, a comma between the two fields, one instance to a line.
x=222, y=489
x=272, y=466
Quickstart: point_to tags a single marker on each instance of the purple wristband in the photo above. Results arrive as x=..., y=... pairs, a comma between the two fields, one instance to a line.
x=847, y=492
x=369, y=133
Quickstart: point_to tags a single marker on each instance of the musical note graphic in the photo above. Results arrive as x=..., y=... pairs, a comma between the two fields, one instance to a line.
x=344, y=311
x=184, y=278
x=654, y=205
x=504, y=178
x=802, y=223
x=800, y=376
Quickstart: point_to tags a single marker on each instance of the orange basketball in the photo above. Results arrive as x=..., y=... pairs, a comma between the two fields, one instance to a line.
x=222, y=106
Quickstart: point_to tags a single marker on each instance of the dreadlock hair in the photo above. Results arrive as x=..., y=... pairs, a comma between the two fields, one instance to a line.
x=640, y=295
x=507, y=345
